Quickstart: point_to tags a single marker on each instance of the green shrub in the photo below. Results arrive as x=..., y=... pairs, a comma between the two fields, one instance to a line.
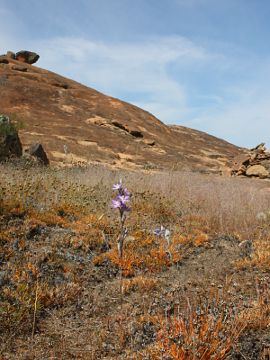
x=8, y=126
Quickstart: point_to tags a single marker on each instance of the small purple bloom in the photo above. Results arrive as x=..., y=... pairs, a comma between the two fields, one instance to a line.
x=157, y=232
x=118, y=186
x=126, y=192
x=120, y=202
x=116, y=204
x=122, y=198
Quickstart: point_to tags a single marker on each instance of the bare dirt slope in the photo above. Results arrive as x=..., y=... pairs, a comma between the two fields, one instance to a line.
x=92, y=127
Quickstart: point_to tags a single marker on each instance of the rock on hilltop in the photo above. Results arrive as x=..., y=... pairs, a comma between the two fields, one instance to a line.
x=253, y=163
x=76, y=123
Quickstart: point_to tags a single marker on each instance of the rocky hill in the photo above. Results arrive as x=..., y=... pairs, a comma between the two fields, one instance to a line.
x=79, y=124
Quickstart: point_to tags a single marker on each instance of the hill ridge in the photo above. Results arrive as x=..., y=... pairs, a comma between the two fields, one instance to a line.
x=76, y=123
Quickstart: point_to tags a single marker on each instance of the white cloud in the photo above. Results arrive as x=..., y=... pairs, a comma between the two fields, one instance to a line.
x=137, y=72
x=245, y=122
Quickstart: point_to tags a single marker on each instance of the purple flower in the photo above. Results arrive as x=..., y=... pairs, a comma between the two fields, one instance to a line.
x=162, y=231
x=159, y=231
x=126, y=192
x=122, y=198
x=118, y=186
x=116, y=204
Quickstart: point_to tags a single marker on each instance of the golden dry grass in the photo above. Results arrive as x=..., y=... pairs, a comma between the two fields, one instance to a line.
x=58, y=240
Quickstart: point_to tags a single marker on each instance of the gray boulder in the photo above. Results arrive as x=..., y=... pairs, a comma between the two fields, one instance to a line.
x=28, y=57
x=37, y=151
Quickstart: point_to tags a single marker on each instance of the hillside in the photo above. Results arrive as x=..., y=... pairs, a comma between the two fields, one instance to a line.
x=77, y=123
x=191, y=279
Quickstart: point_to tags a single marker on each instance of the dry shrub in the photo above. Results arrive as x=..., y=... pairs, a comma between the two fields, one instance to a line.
x=257, y=316
x=45, y=218
x=208, y=330
x=142, y=253
x=260, y=253
x=139, y=283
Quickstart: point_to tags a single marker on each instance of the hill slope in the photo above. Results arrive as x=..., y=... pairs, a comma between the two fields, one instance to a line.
x=77, y=123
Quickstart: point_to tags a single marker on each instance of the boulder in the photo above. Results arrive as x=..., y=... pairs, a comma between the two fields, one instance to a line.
x=10, y=144
x=28, y=57
x=260, y=147
x=240, y=161
x=258, y=171
x=266, y=164
x=256, y=162
x=37, y=151
x=11, y=55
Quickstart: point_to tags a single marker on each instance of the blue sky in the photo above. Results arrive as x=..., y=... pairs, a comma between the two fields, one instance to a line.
x=204, y=64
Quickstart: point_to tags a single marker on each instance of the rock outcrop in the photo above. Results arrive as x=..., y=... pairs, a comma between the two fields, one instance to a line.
x=25, y=56
x=28, y=57
x=254, y=163
x=37, y=151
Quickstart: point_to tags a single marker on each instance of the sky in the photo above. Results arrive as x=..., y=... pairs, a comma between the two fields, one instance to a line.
x=203, y=64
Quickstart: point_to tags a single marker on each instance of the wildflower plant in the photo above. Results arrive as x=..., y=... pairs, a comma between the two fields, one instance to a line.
x=121, y=203
x=165, y=234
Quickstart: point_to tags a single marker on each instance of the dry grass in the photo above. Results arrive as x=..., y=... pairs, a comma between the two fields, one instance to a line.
x=207, y=331
x=58, y=240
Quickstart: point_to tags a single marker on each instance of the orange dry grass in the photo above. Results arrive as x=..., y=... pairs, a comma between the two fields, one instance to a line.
x=48, y=218
x=90, y=231
x=139, y=283
x=197, y=335
x=257, y=316
x=149, y=253
x=260, y=256
x=142, y=253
